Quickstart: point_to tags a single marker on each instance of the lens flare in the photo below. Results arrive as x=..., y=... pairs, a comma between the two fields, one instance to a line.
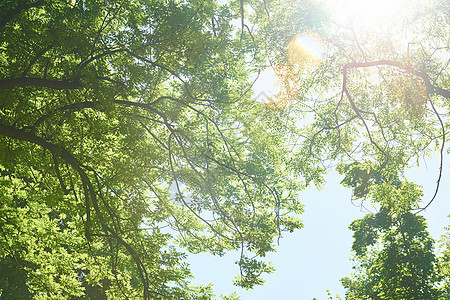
x=304, y=53
x=305, y=50
x=288, y=87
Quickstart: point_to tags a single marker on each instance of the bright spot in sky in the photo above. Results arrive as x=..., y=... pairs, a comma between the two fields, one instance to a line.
x=278, y=85
x=305, y=50
x=366, y=11
x=266, y=85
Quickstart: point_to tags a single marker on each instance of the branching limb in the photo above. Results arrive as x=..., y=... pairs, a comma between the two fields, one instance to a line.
x=431, y=87
x=39, y=82
x=441, y=156
x=33, y=61
x=56, y=151
x=89, y=192
x=426, y=79
x=328, y=128
x=357, y=111
x=181, y=194
x=58, y=174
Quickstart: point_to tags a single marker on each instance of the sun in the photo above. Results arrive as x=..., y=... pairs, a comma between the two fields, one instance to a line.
x=366, y=12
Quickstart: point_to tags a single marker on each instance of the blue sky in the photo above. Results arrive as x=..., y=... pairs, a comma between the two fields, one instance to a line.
x=314, y=258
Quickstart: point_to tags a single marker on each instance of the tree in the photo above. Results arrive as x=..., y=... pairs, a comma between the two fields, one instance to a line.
x=393, y=250
x=444, y=263
x=378, y=97
x=375, y=98
x=125, y=127
x=129, y=126
x=372, y=100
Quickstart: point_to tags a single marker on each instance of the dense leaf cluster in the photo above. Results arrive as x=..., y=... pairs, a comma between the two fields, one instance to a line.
x=126, y=127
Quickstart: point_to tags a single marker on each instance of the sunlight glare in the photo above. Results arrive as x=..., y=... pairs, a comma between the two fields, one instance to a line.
x=366, y=11
x=278, y=86
x=305, y=50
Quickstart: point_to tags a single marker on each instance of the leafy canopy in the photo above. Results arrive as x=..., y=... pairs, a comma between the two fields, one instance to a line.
x=126, y=128
x=129, y=134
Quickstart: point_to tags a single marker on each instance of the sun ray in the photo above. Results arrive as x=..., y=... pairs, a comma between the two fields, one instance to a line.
x=367, y=12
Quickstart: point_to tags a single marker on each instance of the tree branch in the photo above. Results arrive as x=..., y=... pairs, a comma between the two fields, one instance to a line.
x=34, y=60
x=430, y=86
x=39, y=82
x=358, y=112
x=89, y=192
x=441, y=156
x=22, y=135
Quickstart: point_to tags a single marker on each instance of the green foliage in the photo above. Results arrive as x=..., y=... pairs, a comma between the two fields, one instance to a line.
x=127, y=127
x=251, y=271
x=393, y=253
x=373, y=105
x=444, y=263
